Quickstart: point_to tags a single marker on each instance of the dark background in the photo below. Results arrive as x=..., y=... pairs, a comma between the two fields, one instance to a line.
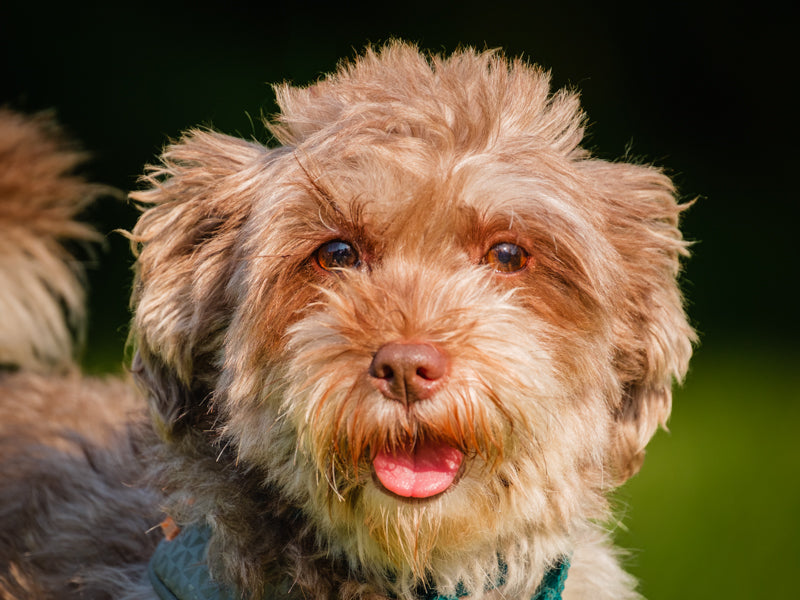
x=703, y=90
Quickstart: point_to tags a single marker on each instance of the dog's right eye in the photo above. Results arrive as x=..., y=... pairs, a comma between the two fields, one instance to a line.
x=507, y=257
x=337, y=255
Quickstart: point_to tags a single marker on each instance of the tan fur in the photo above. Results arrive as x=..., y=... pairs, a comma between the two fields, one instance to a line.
x=40, y=196
x=256, y=361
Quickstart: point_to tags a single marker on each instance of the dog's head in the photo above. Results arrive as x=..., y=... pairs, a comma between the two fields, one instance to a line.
x=428, y=317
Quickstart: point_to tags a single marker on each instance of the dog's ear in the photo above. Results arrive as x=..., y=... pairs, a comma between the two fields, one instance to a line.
x=194, y=207
x=652, y=338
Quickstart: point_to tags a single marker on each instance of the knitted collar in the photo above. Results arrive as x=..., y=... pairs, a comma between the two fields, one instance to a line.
x=178, y=571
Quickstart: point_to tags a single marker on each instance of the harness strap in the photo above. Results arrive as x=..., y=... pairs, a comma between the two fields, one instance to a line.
x=178, y=571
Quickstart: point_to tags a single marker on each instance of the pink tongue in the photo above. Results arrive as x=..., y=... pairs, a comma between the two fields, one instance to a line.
x=425, y=471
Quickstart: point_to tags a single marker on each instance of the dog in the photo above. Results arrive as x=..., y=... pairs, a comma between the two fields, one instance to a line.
x=408, y=351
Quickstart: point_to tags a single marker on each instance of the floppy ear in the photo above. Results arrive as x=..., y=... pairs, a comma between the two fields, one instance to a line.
x=652, y=338
x=197, y=201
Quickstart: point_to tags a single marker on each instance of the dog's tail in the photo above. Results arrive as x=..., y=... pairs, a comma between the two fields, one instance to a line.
x=42, y=312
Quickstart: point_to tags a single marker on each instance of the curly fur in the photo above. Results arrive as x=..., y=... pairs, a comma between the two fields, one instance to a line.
x=256, y=362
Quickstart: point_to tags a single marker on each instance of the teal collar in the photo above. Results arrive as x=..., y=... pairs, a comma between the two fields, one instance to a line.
x=178, y=571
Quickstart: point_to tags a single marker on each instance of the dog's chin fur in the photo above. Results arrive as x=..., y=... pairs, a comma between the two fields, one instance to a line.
x=255, y=359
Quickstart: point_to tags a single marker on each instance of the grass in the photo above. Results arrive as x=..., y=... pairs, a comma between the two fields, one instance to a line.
x=713, y=514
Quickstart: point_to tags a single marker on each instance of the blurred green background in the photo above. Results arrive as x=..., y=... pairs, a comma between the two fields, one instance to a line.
x=701, y=89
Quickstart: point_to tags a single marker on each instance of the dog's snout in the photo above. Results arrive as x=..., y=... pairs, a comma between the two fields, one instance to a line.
x=408, y=372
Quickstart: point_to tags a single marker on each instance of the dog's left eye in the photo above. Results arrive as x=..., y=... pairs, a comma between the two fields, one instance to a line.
x=337, y=255
x=506, y=257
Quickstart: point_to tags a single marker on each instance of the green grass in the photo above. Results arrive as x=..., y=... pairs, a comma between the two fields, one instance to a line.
x=714, y=512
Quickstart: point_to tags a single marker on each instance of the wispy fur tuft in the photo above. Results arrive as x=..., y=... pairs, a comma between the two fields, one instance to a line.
x=42, y=302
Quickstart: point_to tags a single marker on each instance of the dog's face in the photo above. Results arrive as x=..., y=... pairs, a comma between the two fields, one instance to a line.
x=429, y=318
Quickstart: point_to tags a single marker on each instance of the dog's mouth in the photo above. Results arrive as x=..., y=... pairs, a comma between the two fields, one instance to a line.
x=421, y=470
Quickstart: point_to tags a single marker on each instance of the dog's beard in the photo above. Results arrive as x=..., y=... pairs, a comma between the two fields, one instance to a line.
x=528, y=432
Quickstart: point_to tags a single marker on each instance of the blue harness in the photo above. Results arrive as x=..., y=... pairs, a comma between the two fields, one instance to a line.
x=178, y=571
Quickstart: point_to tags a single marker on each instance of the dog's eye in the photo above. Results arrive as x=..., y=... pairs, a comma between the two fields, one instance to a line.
x=337, y=255
x=506, y=257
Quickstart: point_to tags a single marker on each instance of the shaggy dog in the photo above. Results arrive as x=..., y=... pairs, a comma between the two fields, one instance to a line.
x=407, y=353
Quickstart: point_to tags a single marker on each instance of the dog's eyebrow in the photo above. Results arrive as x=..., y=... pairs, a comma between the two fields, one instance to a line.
x=349, y=219
x=318, y=190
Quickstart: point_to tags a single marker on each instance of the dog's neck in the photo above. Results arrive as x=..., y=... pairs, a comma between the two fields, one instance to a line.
x=178, y=570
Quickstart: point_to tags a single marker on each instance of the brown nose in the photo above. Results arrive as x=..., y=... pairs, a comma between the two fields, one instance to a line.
x=408, y=372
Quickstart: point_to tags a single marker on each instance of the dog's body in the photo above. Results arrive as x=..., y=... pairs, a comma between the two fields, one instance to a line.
x=411, y=349
x=66, y=455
